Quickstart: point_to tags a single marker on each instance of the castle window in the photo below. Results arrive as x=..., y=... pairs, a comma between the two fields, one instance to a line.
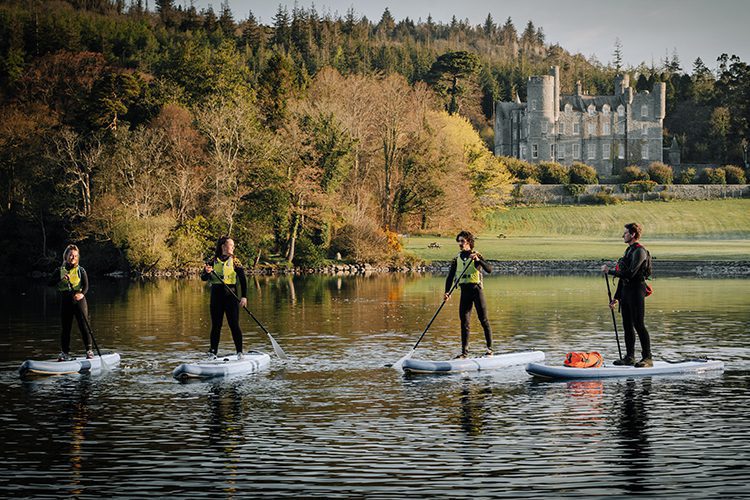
x=533, y=105
x=568, y=108
x=644, y=152
x=562, y=129
x=605, y=150
x=644, y=110
x=605, y=128
x=544, y=128
x=576, y=128
x=592, y=110
x=591, y=149
x=620, y=110
x=551, y=151
x=523, y=152
x=592, y=128
x=561, y=152
x=621, y=151
x=644, y=129
x=576, y=151
x=535, y=150
x=620, y=127
x=605, y=110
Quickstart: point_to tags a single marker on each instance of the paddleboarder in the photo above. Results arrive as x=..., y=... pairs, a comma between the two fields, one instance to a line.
x=72, y=282
x=225, y=269
x=632, y=270
x=469, y=265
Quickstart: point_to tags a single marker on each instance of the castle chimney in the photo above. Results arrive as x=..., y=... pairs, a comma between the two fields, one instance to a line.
x=578, y=87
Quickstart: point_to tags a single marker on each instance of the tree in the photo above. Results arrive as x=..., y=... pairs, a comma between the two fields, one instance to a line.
x=447, y=71
x=617, y=55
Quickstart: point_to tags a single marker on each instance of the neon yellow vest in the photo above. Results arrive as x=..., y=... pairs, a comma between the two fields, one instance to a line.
x=472, y=274
x=225, y=270
x=75, y=279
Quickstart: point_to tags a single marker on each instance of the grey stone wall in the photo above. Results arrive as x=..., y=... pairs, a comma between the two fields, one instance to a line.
x=539, y=194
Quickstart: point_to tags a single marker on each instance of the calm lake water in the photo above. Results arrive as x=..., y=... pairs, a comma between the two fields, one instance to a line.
x=334, y=422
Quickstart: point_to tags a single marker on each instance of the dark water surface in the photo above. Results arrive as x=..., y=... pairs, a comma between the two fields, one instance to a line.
x=334, y=422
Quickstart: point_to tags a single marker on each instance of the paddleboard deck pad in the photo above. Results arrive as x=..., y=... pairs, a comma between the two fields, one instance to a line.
x=659, y=368
x=224, y=366
x=472, y=364
x=76, y=365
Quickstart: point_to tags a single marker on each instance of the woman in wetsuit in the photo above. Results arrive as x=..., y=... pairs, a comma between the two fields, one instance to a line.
x=72, y=282
x=225, y=269
x=469, y=265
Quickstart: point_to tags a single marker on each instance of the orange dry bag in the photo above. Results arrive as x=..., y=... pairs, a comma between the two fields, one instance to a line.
x=583, y=359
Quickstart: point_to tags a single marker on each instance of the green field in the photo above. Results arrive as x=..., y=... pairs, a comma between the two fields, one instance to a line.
x=685, y=230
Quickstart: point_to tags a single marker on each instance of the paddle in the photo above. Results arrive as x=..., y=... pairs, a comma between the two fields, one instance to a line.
x=91, y=332
x=397, y=364
x=614, y=322
x=276, y=347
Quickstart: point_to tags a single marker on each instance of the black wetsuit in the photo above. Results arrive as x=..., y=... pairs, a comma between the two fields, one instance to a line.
x=224, y=303
x=70, y=308
x=631, y=292
x=471, y=295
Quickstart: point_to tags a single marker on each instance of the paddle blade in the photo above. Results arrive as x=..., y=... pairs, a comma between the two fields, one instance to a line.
x=400, y=363
x=277, y=348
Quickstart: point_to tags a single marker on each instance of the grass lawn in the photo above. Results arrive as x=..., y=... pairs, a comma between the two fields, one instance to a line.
x=677, y=230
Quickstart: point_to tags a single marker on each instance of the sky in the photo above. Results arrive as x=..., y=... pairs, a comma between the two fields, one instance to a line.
x=649, y=30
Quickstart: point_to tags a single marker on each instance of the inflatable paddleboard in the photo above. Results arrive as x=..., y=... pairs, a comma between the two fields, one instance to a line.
x=472, y=364
x=223, y=366
x=659, y=368
x=76, y=365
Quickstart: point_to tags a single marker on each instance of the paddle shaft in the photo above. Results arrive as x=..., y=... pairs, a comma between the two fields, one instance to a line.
x=614, y=321
x=276, y=346
x=455, y=284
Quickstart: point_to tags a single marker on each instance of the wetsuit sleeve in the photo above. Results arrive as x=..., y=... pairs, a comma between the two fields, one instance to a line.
x=450, y=277
x=84, y=280
x=618, y=290
x=482, y=264
x=204, y=275
x=632, y=265
x=242, y=280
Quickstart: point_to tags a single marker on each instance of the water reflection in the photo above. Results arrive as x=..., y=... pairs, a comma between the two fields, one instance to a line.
x=632, y=430
x=226, y=429
x=473, y=399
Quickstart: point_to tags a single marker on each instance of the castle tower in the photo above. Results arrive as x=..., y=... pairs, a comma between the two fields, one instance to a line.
x=540, y=95
x=555, y=73
x=660, y=100
x=622, y=82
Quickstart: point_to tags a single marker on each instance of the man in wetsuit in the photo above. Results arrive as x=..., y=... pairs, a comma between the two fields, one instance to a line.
x=632, y=269
x=469, y=265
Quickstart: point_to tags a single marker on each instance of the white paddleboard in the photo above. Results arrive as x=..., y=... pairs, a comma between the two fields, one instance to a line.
x=472, y=364
x=659, y=368
x=223, y=366
x=76, y=365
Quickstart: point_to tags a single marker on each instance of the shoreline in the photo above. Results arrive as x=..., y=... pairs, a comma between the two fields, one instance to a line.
x=698, y=268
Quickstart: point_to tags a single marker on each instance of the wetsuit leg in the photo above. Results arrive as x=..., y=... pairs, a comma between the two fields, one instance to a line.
x=232, y=311
x=639, y=313
x=627, y=325
x=81, y=312
x=464, y=313
x=481, y=304
x=217, y=316
x=66, y=321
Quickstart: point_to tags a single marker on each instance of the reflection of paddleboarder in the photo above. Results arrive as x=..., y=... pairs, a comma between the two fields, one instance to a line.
x=469, y=265
x=633, y=269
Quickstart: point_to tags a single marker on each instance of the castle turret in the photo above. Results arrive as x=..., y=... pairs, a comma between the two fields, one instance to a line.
x=622, y=82
x=555, y=73
x=660, y=100
x=540, y=107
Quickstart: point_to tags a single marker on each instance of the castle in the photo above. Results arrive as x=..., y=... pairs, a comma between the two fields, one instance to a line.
x=606, y=132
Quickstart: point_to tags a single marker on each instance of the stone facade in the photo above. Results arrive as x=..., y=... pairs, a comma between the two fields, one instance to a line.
x=606, y=132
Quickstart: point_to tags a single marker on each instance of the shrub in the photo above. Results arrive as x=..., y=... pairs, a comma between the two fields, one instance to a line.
x=712, y=176
x=734, y=175
x=633, y=173
x=687, y=176
x=575, y=189
x=580, y=173
x=521, y=170
x=553, y=173
x=602, y=198
x=660, y=173
x=306, y=253
x=639, y=187
x=362, y=241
